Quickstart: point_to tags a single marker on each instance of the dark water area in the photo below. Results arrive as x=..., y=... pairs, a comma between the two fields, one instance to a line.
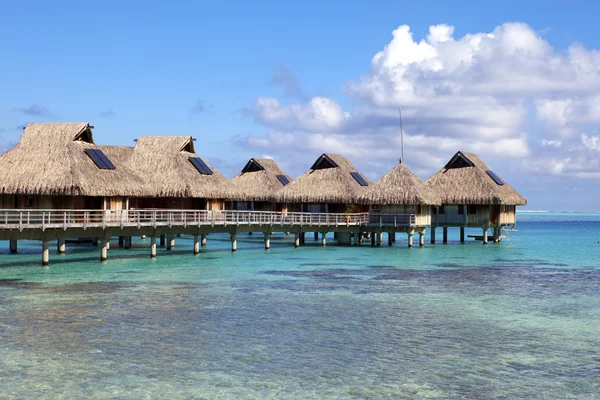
x=520, y=319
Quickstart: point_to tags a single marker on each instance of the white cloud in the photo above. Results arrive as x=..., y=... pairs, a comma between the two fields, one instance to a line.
x=505, y=95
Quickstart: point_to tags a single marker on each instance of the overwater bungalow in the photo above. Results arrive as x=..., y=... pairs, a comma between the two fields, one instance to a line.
x=331, y=185
x=472, y=195
x=179, y=178
x=257, y=184
x=58, y=166
x=400, y=202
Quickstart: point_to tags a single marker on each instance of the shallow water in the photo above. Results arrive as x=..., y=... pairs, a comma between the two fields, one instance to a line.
x=514, y=320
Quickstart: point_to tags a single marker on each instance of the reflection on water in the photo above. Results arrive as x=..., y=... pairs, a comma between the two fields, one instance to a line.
x=453, y=321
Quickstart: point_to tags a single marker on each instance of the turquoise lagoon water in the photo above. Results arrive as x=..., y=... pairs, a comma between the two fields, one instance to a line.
x=520, y=319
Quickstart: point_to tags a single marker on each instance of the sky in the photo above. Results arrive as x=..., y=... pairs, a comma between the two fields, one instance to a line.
x=517, y=83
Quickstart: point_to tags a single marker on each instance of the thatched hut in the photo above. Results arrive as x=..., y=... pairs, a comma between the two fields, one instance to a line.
x=178, y=177
x=472, y=195
x=401, y=192
x=331, y=185
x=257, y=184
x=58, y=166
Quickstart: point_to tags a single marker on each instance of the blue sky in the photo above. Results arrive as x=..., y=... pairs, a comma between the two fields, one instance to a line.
x=294, y=80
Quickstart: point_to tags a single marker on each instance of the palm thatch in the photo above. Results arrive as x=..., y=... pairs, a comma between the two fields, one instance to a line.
x=400, y=186
x=465, y=180
x=164, y=162
x=259, y=180
x=50, y=159
x=329, y=180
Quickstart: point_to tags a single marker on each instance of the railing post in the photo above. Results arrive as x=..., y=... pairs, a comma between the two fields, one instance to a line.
x=43, y=221
x=65, y=220
x=21, y=221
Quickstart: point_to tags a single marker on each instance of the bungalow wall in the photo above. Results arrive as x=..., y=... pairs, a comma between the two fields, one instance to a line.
x=253, y=205
x=340, y=208
x=46, y=202
x=475, y=215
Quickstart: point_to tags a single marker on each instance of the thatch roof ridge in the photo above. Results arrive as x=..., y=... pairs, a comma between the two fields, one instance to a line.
x=471, y=184
x=259, y=185
x=50, y=159
x=327, y=185
x=400, y=186
x=163, y=161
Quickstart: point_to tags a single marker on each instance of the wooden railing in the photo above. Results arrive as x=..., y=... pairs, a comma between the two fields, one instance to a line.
x=392, y=220
x=65, y=219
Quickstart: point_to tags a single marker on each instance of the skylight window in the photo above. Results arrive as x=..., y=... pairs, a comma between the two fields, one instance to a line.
x=283, y=179
x=359, y=179
x=200, y=166
x=495, y=177
x=99, y=159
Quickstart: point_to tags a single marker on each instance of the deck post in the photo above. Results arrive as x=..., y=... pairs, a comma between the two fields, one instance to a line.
x=104, y=249
x=267, y=240
x=162, y=240
x=378, y=238
x=369, y=234
x=316, y=235
x=297, y=240
x=372, y=236
x=143, y=237
x=393, y=237
x=361, y=236
x=390, y=238
x=60, y=246
x=445, y=238
x=13, y=246
x=45, y=253
x=324, y=239
x=410, y=239
x=196, y=244
x=170, y=241
x=302, y=238
x=153, y=246
x=335, y=236
x=203, y=239
x=462, y=234
x=432, y=234
x=422, y=238
x=485, y=235
x=128, y=242
x=496, y=234
x=121, y=241
x=234, y=242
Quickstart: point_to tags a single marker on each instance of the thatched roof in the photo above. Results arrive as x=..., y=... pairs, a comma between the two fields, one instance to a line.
x=400, y=186
x=465, y=180
x=50, y=159
x=329, y=180
x=258, y=180
x=164, y=162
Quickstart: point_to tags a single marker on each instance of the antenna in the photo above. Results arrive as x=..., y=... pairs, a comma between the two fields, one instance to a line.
x=401, y=135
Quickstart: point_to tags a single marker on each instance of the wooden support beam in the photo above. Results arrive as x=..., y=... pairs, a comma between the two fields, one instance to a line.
x=162, y=240
x=234, y=242
x=445, y=233
x=410, y=239
x=14, y=248
x=104, y=249
x=390, y=238
x=153, y=246
x=462, y=234
x=421, y=238
x=432, y=234
x=267, y=240
x=60, y=246
x=45, y=253
x=203, y=238
x=297, y=240
x=324, y=239
x=485, y=235
x=316, y=235
x=196, y=244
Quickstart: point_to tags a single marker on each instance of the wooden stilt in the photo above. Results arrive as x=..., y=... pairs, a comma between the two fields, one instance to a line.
x=302, y=238
x=393, y=237
x=121, y=241
x=170, y=241
x=45, y=253
x=445, y=233
x=153, y=246
x=234, y=242
x=421, y=239
x=372, y=239
x=60, y=246
x=14, y=246
x=267, y=241
x=196, y=244
x=128, y=240
x=143, y=237
x=104, y=249
x=378, y=239
x=485, y=235
x=462, y=234
x=390, y=238
x=432, y=234
x=316, y=235
x=297, y=240
x=324, y=239
x=410, y=239
x=162, y=240
x=203, y=238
